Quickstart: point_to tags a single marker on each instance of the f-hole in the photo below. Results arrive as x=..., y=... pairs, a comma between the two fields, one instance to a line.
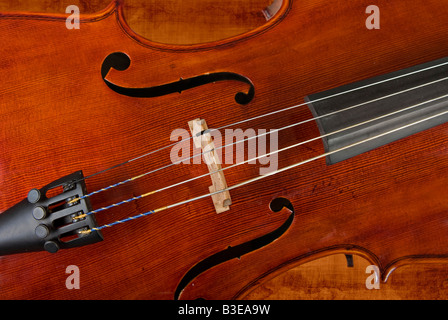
x=121, y=61
x=276, y=205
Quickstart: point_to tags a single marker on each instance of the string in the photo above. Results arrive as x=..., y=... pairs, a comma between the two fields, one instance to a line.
x=249, y=138
x=258, y=157
x=272, y=172
x=268, y=114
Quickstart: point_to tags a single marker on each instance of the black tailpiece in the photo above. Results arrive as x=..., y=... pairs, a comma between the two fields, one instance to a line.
x=46, y=223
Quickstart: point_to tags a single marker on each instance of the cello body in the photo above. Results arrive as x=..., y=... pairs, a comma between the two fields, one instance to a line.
x=60, y=114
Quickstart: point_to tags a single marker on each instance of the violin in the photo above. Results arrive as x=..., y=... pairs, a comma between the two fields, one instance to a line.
x=158, y=171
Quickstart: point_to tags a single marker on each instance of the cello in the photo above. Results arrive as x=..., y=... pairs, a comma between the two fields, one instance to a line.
x=367, y=204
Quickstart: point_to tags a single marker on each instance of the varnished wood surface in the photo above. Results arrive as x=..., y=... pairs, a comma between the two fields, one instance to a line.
x=326, y=278
x=170, y=21
x=329, y=278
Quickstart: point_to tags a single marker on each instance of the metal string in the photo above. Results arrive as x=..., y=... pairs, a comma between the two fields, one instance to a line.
x=272, y=172
x=250, y=138
x=267, y=114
